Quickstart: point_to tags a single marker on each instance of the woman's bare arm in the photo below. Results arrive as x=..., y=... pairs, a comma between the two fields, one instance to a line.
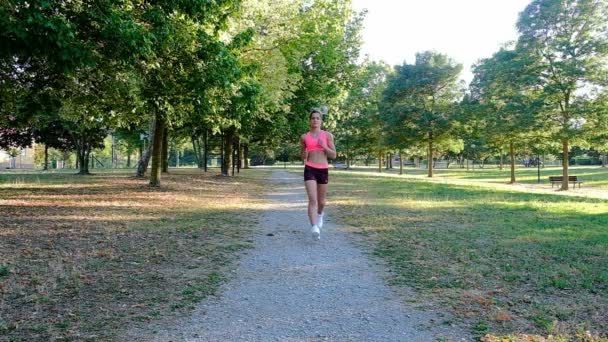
x=330, y=148
x=303, y=152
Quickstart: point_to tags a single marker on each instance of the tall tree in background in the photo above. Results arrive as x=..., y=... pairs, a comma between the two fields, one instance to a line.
x=569, y=40
x=420, y=98
x=51, y=53
x=360, y=129
x=275, y=25
x=504, y=103
x=598, y=121
x=187, y=45
x=325, y=56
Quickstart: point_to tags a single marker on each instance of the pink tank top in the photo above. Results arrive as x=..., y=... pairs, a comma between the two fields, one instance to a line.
x=312, y=144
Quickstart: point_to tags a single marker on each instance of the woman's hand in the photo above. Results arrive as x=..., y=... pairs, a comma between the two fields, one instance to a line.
x=323, y=144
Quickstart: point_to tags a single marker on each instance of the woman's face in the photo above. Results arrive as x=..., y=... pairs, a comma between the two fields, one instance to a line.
x=315, y=120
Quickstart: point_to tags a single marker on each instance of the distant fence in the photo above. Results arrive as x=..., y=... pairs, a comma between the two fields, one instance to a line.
x=443, y=164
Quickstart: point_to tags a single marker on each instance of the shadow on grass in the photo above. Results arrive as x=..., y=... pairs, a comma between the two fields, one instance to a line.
x=88, y=259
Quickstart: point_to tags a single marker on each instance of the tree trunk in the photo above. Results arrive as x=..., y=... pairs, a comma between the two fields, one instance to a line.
x=80, y=158
x=196, y=146
x=196, y=150
x=234, y=156
x=347, y=156
x=165, y=151
x=227, y=160
x=128, y=159
x=176, y=158
x=222, y=155
x=144, y=160
x=565, y=162
x=82, y=155
x=46, y=158
x=512, y=156
x=113, y=158
x=157, y=146
x=206, y=147
x=430, y=155
x=246, y=156
x=86, y=158
x=239, y=155
x=141, y=150
x=400, y=163
x=380, y=162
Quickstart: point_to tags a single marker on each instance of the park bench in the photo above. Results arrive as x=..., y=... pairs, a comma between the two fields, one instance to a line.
x=571, y=179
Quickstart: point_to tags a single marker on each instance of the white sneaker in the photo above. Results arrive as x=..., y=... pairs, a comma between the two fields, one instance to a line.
x=320, y=220
x=316, y=232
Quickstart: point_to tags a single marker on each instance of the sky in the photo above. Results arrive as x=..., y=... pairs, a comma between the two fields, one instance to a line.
x=465, y=30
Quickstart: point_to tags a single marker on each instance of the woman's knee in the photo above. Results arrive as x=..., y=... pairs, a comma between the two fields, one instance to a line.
x=312, y=202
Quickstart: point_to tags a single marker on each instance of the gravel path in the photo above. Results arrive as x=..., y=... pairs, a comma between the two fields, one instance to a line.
x=291, y=288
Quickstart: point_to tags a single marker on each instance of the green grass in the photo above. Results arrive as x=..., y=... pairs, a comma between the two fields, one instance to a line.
x=592, y=176
x=503, y=260
x=87, y=257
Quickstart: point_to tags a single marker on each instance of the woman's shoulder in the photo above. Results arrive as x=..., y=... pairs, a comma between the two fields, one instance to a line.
x=328, y=134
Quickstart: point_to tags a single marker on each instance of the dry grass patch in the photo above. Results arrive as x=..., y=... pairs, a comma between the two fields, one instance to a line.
x=82, y=257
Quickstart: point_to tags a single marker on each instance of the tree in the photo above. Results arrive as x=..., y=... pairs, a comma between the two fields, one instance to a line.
x=12, y=138
x=569, y=41
x=363, y=130
x=503, y=105
x=52, y=56
x=325, y=56
x=419, y=99
x=598, y=121
x=53, y=134
x=186, y=54
x=360, y=128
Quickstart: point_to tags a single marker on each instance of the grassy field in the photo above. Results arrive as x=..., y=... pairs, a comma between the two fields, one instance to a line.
x=592, y=176
x=501, y=261
x=83, y=258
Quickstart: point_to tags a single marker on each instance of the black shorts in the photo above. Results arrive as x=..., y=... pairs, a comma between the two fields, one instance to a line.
x=321, y=176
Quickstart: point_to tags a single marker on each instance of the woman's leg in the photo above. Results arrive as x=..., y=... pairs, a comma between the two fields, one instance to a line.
x=311, y=191
x=321, y=191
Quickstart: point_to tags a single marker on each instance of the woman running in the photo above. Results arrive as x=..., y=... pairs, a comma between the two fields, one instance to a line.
x=317, y=146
